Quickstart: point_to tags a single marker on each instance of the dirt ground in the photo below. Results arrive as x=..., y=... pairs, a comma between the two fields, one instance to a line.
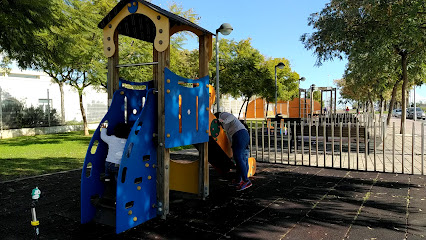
x=285, y=202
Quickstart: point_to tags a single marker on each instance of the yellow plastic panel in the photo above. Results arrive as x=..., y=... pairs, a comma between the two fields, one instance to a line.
x=184, y=176
x=161, y=41
x=252, y=167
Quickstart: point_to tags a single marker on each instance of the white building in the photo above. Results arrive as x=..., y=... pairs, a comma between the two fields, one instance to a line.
x=32, y=88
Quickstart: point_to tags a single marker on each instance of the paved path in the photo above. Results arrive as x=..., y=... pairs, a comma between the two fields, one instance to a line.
x=285, y=202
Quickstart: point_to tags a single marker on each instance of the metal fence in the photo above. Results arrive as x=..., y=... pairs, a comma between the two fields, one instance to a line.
x=348, y=141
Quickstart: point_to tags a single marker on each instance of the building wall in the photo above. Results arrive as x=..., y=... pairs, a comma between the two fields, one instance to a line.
x=30, y=88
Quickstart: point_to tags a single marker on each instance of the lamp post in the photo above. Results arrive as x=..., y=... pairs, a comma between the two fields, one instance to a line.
x=280, y=66
x=224, y=29
x=301, y=79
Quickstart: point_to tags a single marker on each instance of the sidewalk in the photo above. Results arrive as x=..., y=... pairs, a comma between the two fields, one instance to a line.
x=285, y=202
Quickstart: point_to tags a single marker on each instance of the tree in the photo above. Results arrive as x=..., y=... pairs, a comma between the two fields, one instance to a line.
x=357, y=27
x=19, y=22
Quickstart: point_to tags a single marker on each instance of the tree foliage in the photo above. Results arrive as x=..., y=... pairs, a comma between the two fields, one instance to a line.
x=379, y=32
x=20, y=21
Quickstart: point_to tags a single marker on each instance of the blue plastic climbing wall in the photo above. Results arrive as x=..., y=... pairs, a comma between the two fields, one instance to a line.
x=186, y=110
x=136, y=184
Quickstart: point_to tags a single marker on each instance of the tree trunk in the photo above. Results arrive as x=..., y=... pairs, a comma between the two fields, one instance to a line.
x=404, y=61
x=83, y=113
x=245, y=115
x=381, y=108
x=392, y=102
x=61, y=89
x=241, y=108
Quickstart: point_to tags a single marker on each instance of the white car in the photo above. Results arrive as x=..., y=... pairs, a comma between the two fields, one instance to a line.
x=396, y=113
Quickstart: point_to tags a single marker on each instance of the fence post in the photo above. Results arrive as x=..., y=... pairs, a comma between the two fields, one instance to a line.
x=393, y=147
x=413, y=133
x=282, y=126
x=251, y=138
x=295, y=143
x=384, y=142
x=374, y=151
x=288, y=142
x=257, y=140
x=423, y=146
x=332, y=143
x=403, y=148
x=263, y=142
x=349, y=145
x=366, y=147
x=269, y=126
x=357, y=145
x=1, y=116
x=324, y=141
x=341, y=150
x=303, y=137
x=310, y=133
x=275, y=141
x=316, y=140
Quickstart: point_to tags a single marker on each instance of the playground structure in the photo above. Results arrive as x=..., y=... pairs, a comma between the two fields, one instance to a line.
x=169, y=111
x=257, y=108
x=301, y=107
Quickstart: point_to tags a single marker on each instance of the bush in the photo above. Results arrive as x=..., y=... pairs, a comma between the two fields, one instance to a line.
x=15, y=116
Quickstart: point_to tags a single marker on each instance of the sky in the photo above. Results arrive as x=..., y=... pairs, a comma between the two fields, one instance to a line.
x=275, y=27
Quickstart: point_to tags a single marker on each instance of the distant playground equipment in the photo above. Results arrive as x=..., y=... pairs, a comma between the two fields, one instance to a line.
x=169, y=111
x=289, y=109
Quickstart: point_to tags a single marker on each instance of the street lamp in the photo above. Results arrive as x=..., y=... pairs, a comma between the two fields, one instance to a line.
x=301, y=79
x=224, y=29
x=280, y=66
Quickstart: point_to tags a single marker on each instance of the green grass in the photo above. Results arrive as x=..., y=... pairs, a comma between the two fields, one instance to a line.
x=35, y=155
x=41, y=154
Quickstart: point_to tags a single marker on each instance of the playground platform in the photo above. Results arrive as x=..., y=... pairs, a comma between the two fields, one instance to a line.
x=285, y=202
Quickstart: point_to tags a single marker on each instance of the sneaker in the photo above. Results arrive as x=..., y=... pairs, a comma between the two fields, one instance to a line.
x=235, y=183
x=244, y=185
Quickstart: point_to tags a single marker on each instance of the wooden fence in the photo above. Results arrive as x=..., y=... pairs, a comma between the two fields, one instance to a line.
x=349, y=141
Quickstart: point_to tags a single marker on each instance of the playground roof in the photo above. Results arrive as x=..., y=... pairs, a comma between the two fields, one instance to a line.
x=141, y=27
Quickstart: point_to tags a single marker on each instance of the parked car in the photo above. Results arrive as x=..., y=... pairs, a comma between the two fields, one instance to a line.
x=419, y=112
x=396, y=113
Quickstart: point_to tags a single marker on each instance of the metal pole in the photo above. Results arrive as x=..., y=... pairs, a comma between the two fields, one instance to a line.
x=288, y=141
x=303, y=141
x=275, y=90
x=1, y=116
x=415, y=112
x=263, y=141
x=413, y=133
x=423, y=147
x=48, y=107
x=316, y=141
x=275, y=141
x=217, y=71
x=393, y=147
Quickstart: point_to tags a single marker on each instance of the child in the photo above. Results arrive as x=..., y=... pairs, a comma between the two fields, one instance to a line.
x=116, y=144
x=239, y=137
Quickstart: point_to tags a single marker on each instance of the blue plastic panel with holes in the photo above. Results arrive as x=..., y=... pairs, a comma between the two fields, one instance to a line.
x=187, y=121
x=137, y=181
x=131, y=97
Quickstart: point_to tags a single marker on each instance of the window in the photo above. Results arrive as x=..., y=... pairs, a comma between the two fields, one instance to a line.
x=20, y=75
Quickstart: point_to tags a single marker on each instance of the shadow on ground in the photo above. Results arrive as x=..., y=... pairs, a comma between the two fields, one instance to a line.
x=285, y=202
